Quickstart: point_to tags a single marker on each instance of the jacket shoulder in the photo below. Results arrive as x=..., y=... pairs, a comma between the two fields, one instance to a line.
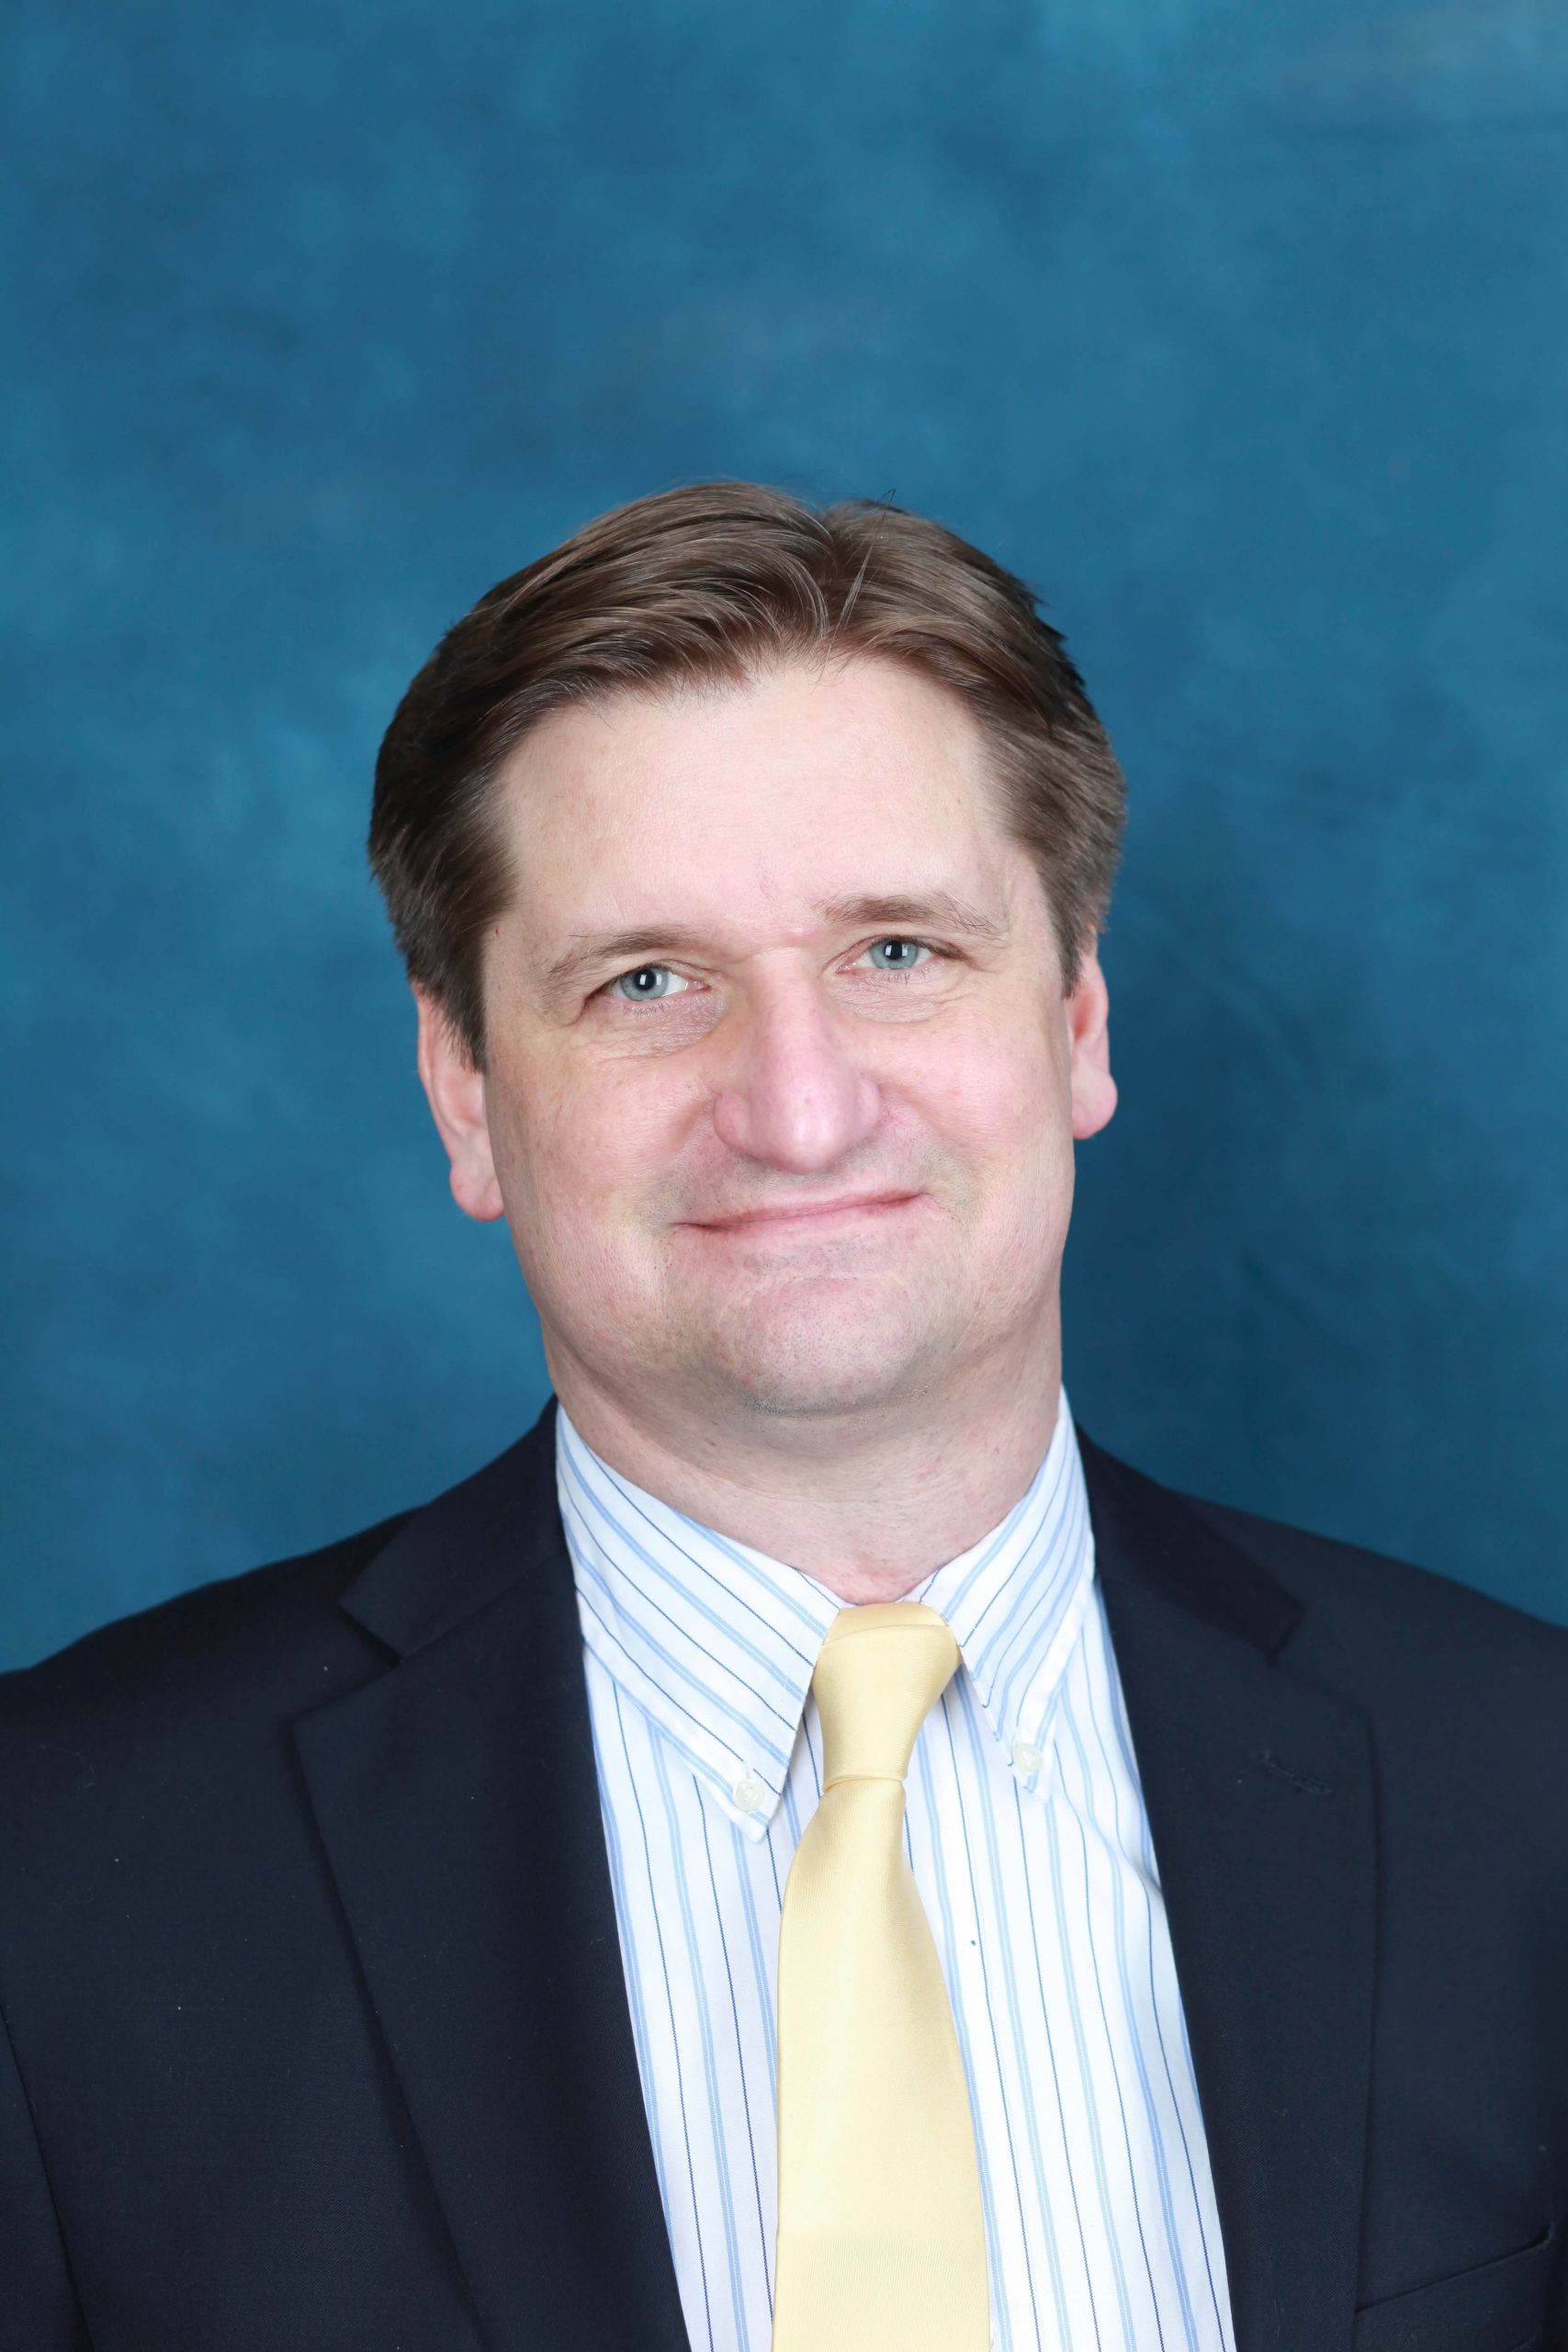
x=1445, y=1672
x=1386, y=1590
x=216, y=1634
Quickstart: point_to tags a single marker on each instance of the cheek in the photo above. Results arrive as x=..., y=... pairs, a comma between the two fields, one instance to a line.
x=577, y=1148
x=1007, y=1125
x=572, y=1184
x=999, y=1097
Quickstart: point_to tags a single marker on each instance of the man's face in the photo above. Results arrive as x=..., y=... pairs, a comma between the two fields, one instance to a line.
x=771, y=950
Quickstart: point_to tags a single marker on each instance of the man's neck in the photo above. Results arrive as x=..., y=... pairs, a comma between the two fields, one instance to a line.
x=868, y=1506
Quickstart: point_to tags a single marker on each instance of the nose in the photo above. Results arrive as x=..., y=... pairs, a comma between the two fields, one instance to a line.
x=794, y=1093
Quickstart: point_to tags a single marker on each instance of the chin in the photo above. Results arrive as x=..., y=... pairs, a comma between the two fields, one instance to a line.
x=801, y=1375
x=806, y=1400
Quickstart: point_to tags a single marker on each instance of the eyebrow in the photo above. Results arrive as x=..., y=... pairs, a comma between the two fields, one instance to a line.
x=932, y=910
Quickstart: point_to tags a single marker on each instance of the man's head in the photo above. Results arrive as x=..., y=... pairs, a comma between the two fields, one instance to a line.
x=745, y=860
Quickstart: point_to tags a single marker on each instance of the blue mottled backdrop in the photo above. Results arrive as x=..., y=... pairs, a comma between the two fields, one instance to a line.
x=1241, y=332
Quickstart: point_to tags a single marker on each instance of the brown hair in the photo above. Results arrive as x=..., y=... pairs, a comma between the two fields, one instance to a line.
x=713, y=582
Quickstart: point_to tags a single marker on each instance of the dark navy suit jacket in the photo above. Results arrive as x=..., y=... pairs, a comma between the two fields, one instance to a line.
x=316, y=2035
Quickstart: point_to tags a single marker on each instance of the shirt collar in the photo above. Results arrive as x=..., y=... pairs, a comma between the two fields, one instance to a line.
x=718, y=1642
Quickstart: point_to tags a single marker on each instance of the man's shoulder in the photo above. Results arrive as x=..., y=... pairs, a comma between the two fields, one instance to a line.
x=215, y=1641
x=217, y=1668
x=1420, y=1651
x=1332, y=1572
x=222, y=1665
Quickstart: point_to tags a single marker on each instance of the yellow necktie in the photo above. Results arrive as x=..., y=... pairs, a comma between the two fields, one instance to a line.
x=881, y=2244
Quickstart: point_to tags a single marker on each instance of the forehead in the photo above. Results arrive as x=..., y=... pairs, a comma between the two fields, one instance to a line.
x=797, y=787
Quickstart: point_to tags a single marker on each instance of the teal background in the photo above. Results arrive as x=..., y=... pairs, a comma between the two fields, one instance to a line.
x=1242, y=332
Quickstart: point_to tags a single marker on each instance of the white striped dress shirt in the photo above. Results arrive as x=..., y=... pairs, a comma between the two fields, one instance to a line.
x=1029, y=1843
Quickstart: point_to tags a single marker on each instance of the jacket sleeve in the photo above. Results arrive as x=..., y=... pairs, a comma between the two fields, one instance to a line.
x=38, y=2311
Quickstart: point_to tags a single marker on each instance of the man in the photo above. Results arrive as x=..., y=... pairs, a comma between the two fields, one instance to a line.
x=805, y=1850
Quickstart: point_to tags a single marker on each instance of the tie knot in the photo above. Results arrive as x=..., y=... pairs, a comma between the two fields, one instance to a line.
x=882, y=1669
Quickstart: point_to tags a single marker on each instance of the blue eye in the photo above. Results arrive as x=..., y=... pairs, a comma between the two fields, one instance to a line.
x=644, y=972
x=918, y=946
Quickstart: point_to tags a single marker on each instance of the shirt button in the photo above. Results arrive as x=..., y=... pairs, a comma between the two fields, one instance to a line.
x=1027, y=1756
x=749, y=1794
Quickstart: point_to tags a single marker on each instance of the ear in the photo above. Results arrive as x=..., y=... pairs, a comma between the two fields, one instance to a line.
x=455, y=1093
x=1088, y=1041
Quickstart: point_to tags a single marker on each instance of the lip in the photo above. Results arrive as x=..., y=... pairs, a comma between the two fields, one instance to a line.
x=846, y=1211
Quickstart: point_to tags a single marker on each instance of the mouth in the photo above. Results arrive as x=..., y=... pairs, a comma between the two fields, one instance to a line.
x=824, y=1216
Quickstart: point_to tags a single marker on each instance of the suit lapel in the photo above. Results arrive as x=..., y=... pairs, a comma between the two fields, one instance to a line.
x=457, y=1796
x=1259, y=1793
